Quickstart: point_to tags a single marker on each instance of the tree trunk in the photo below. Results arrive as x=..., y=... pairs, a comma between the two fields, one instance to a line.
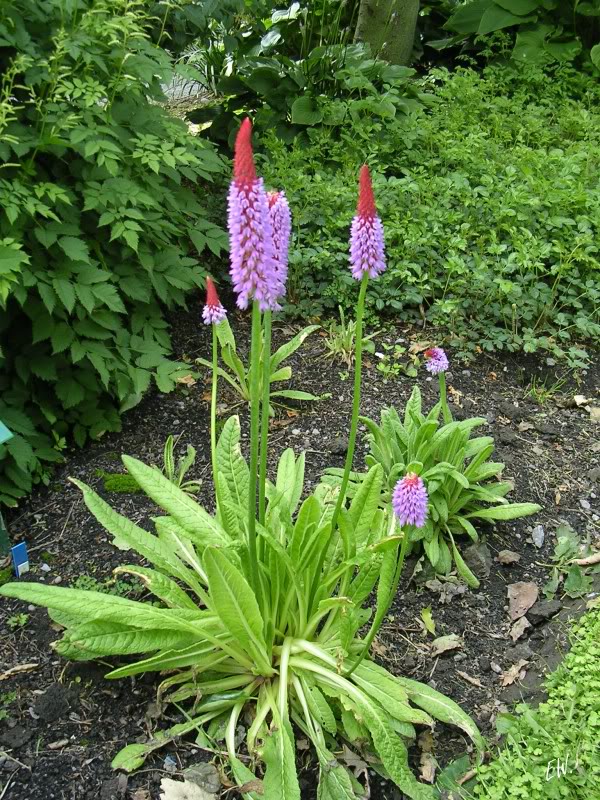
x=388, y=26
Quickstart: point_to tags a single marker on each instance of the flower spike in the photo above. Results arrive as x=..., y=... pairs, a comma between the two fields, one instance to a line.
x=213, y=312
x=409, y=501
x=281, y=222
x=367, y=250
x=437, y=360
x=254, y=269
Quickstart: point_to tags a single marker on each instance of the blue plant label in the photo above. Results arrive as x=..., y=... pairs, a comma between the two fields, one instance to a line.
x=20, y=559
x=5, y=434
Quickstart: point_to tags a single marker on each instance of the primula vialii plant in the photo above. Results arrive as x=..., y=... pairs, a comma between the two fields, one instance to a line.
x=436, y=476
x=260, y=616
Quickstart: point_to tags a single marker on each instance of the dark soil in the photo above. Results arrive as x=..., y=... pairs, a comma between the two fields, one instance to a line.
x=64, y=722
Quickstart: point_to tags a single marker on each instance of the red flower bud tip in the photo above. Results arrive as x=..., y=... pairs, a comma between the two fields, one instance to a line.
x=213, y=312
x=244, y=172
x=366, y=200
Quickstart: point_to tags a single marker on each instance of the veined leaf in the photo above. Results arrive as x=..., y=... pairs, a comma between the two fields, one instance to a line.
x=234, y=602
x=290, y=347
x=441, y=707
x=191, y=516
x=231, y=464
x=100, y=638
x=364, y=506
x=160, y=585
x=512, y=511
x=204, y=654
x=281, y=779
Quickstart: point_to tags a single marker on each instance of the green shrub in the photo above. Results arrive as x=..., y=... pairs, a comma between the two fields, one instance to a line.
x=98, y=210
x=489, y=202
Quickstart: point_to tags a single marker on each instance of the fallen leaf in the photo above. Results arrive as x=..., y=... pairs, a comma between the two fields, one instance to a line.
x=519, y=628
x=427, y=763
x=205, y=775
x=252, y=786
x=428, y=620
x=419, y=347
x=183, y=790
x=378, y=648
x=58, y=745
x=595, y=413
x=525, y=426
x=513, y=673
x=357, y=765
x=470, y=679
x=141, y=794
x=455, y=396
x=508, y=557
x=4, y=676
x=186, y=380
x=521, y=596
x=492, y=376
x=446, y=643
x=446, y=590
x=302, y=744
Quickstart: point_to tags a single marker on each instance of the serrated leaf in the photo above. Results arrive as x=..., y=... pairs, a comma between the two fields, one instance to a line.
x=512, y=511
x=75, y=249
x=281, y=779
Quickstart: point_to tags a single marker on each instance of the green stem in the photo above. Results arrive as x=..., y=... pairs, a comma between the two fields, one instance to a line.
x=375, y=628
x=266, y=398
x=446, y=413
x=254, y=443
x=213, y=412
x=360, y=310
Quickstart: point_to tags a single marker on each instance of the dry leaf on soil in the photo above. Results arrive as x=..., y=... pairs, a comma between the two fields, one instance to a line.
x=183, y=790
x=513, y=673
x=141, y=794
x=519, y=628
x=508, y=557
x=521, y=596
x=186, y=380
x=470, y=679
x=595, y=413
x=446, y=643
x=427, y=763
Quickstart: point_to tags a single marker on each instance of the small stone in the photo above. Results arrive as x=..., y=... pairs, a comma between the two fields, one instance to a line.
x=538, y=535
x=543, y=610
x=485, y=664
x=295, y=431
x=585, y=504
x=508, y=557
x=315, y=431
x=479, y=559
x=594, y=474
x=45, y=568
x=466, y=372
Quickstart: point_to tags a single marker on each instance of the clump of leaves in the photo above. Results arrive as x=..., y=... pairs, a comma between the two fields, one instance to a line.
x=6, y=700
x=176, y=471
x=340, y=340
x=288, y=651
x=100, y=229
x=237, y=373
x=462, y=484
x=569, y=578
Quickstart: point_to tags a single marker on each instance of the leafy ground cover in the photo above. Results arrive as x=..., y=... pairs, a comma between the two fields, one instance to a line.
x=490, y=200
x=552, y=751
x=454, y=638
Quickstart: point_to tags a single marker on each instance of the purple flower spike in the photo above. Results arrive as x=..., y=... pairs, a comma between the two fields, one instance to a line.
x=409, y=501
x=253, y=267
x=281, y=223
x=366, y=237
x=437, y=360
x=213, y=312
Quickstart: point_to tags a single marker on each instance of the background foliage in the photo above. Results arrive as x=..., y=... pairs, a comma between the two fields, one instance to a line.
x=490, y=201
x=100, y=229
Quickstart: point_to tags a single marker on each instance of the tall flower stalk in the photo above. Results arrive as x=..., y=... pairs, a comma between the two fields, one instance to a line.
x=367, y=260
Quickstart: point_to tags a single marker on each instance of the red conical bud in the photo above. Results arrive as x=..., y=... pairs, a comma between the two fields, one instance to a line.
x=366, y=200
x=212, y=298
x=244, y=171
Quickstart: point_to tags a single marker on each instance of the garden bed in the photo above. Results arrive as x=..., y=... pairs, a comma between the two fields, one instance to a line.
x=64, y=723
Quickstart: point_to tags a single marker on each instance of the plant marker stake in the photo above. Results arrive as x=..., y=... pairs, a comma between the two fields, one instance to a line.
x=20, y=559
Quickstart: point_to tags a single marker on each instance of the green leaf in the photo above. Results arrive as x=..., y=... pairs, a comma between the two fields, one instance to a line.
x=131, y=757
x=364, y=506
x=281, y=778
x=231, y=464
x=286, y=350
x=463, y=570
x=185, y=510
x=512, y=511
x=595, y=55
x=235, y=603
x=61, y=338
x=305, y=111
x=495, y=18
x=75, y=249
x=521, y=7
x=467, y=17
x=66, y=293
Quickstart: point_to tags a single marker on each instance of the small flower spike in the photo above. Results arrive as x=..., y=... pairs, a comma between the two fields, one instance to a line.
x=281, y=223
x=213, y=312
x=254, y=270
x=409, y=501
x=437, y=360
x=367, y=253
